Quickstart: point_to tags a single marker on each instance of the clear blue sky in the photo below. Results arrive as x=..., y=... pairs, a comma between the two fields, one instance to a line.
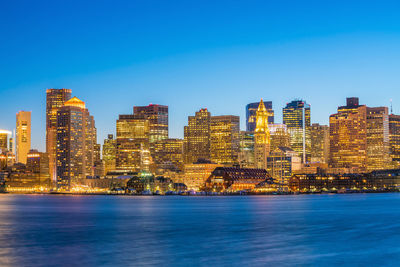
x=193, y=54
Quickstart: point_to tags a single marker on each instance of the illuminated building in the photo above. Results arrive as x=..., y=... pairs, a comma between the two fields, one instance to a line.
x=168, y=155
x=55, y=98
x=231, y=179
x=296, y=116
x=38, y=163
x=281, y=163
x=76, y=140
x=280, y=137
x=158, y=121
x=23, y=135
x=109, y=153
x=4, y=141
x=319, y=143
x=246, y=149
x=251, y=114
x=224, y=139
x=378, y=156
x=197, y=137
x=262, y=144
x=348, y=136
x=382, y=180
x=195, y=174
x=394, y=139
x=6, y=159
x=133, y=147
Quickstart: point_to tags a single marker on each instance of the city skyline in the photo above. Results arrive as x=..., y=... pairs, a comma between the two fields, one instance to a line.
x=261, y=54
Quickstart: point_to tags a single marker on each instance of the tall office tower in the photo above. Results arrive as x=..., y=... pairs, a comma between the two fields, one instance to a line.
x=4, y=139
x=55, y=98
x=280, y=137
x=224, y=139
x=197, y=137
x=109, y=153
x=23, y=135
x=133, y=148
x=296, y=116
x=348, y=136
x=38, y=164
x=76, y=140
x=319, y=143
x=378, y=155
x=394, y=139
x=262, y=137
x=168, y=155
x=251, y=113
x=246, y=149
x=158, y=121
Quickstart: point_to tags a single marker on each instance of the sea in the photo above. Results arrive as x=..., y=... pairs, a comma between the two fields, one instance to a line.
x=290, y=230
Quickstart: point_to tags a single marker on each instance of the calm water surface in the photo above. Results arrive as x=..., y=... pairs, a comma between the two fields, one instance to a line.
x=44, y=230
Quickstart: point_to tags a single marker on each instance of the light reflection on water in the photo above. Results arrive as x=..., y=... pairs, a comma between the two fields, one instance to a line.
x=38, y=230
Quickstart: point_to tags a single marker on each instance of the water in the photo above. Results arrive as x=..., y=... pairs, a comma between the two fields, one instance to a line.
x=51, y=230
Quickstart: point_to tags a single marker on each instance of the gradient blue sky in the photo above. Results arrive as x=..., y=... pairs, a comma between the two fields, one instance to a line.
x=194, y=54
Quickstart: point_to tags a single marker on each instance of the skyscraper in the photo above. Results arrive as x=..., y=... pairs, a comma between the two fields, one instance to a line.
x=23, y=135
x=251, y=113
x=224, y=139
x=197, y=137
x=55, y=98
x=133, y=147
x=279, y=136
x=378, y=156
x=246, y=150
x=319, y=143
x=262, y=144
x=348, y=136
x=76, y=140
x=394, y=139
x=158, y=121
x=297, y=117
x=109, y=153
x=4, y=140
x=168, y=155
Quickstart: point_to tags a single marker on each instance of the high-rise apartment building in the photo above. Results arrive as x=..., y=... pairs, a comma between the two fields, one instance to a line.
x=348, y=136
x=262, y=144
x=224, y=139
x=251, y=114
x=109, y=153
x=378, y=156
x=319, y=143
x=38, y=164
x=394, y=139
x=133, y=147
x=76, y=140
x=23, y=135
x=197, y=137
x=55, y=99
x=168, y=155
x=297, y=117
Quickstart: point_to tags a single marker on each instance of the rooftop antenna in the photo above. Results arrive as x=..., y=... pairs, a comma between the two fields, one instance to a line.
x=391, y=106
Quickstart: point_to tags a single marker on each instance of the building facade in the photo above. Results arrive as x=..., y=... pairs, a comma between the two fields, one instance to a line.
x=55, y=99
x=158, y=121
x=394, y=139
x=23, y=135
x=168, y=155
x=224, y=139
x=348, y=136
x=197, y=137
x=109, y=153
x=246, y=149
x=133, y=146
x=319, y=143
x=297, y=118
x=4, y=141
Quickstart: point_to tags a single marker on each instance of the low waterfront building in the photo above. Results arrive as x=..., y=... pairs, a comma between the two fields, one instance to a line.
x=376, y=180
x=197, y=173
x=231, y=179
